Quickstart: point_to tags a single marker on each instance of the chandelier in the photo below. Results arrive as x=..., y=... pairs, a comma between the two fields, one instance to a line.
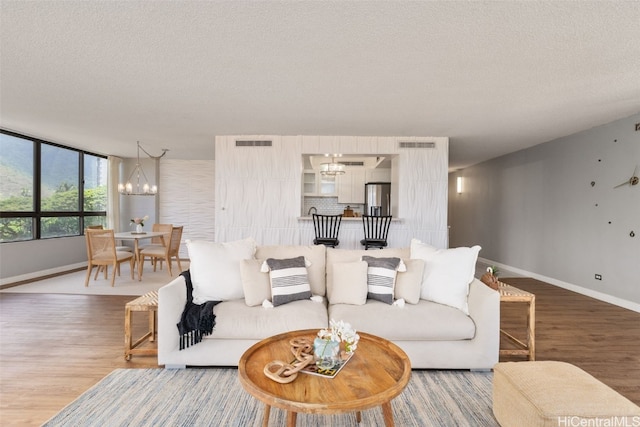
x=136, y=189
x=332, y=169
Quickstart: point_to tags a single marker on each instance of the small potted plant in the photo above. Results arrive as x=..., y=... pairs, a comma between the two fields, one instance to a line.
x=490, y=278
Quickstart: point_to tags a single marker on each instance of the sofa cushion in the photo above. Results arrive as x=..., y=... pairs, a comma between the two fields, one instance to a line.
x=351, y=255
x=423, y=321
x=350, y=283
x=409, y=282
x=447, y=273
x=289, y=281
x=215, y=268
x=236, y=320
x=255, y=284
x=381, y=277
x=315, y=255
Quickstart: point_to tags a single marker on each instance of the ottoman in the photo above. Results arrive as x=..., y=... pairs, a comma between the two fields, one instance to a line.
x=550, y=393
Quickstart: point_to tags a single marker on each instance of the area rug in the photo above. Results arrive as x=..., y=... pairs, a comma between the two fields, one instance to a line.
x=214, y=397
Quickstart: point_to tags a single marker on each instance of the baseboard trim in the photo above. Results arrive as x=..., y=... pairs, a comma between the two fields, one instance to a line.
x=629, y=305
x=9, y=282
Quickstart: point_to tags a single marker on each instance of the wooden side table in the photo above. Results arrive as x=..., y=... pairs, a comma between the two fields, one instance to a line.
x=147, y=302
x=511, y=294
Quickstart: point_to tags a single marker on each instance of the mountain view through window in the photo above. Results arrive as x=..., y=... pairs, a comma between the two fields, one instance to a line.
x=47, y=190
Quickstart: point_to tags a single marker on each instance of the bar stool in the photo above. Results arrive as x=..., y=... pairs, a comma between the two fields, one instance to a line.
x=327, y=228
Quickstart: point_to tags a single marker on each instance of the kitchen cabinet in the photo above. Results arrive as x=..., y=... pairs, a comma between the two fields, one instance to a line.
x=316, y=184
x=309, y=183
x=351, y=187
x=378, y=175
x=327, y=185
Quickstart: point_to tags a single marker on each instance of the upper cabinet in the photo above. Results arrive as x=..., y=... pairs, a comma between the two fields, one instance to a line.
x=328, y=186
x=351, y=187
x=378, y=175
x=309, y=183
x=315, y=184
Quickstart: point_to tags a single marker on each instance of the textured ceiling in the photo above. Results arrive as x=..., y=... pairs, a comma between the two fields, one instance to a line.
x=495, y=77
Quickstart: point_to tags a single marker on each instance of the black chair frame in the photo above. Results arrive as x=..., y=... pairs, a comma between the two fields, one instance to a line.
x=376, y=230
x=327, y=228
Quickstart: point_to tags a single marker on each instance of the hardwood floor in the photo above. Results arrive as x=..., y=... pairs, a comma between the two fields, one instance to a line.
x=601, y=338
x=54, y=347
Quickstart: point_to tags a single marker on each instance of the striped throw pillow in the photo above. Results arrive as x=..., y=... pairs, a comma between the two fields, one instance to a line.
x=381, y=277
x=289, y=281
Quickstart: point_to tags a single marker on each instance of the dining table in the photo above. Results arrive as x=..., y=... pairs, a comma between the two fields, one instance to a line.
x=136, y=237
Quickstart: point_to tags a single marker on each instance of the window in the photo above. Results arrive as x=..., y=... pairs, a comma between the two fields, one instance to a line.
x=47, y=190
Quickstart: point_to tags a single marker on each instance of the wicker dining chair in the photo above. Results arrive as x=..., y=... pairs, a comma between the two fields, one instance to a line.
x=159, y=253
x=105, y=268
x=101, y=251
x=159, y=241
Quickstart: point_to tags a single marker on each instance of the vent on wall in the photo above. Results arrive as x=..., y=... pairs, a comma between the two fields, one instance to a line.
x=253, y=143
x=352, y=163
x=416, y=145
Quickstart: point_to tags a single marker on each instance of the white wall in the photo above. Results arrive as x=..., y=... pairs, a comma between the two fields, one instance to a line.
x=187, y=198
x=258, y=189
x=536, y=211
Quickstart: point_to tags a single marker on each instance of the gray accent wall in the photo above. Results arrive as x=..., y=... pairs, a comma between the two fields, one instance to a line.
x=20, y=260
x=536, y=212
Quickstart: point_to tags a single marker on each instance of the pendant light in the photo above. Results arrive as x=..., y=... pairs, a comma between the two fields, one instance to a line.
x=332, y=169
x=139, y=188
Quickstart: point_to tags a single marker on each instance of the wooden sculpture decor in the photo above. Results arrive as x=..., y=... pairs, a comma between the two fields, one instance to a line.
x=283, y=372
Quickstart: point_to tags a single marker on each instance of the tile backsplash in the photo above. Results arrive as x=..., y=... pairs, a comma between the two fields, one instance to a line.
x=328, y=206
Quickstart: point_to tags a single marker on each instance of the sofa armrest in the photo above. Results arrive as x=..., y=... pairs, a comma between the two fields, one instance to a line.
x=484, y=309
x=171, y=301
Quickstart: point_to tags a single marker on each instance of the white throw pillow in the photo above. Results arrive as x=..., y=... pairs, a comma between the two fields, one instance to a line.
x=215, y=268
x=409, y=282
x=255, y=284
x=349, y=283
x=447, y=273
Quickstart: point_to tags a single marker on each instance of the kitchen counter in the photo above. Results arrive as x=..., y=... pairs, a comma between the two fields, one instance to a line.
x=345, y=218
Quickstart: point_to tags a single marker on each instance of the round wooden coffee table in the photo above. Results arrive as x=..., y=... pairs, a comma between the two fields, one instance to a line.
x=378, y=371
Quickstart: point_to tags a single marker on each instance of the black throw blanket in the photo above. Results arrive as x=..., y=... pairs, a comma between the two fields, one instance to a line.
x=197, y=321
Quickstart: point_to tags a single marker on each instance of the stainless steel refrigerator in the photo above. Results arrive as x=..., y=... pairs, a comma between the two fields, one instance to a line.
x=377, y=197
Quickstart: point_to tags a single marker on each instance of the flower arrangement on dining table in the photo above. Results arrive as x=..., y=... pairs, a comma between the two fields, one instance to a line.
x=139, y=221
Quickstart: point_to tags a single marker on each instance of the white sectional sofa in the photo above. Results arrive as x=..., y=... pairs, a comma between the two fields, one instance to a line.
x=433, y=334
